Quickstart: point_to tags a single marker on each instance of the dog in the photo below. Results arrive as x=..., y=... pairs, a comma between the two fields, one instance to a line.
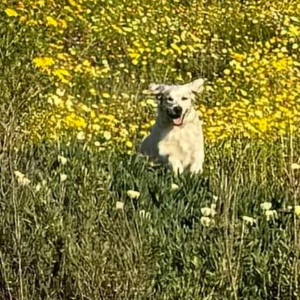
x=177, y=136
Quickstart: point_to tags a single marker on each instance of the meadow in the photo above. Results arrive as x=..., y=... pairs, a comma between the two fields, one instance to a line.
x=83, y=216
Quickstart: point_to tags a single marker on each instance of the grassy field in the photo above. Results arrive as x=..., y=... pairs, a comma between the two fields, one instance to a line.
x=83, y=216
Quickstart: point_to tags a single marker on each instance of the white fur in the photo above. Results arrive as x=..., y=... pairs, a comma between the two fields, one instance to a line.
x=181, y=146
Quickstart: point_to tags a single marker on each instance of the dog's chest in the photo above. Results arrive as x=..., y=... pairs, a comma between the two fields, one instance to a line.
x=181, y=141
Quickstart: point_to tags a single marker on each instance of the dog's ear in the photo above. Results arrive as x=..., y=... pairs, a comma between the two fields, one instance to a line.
x=196, y=86
x=156, y=89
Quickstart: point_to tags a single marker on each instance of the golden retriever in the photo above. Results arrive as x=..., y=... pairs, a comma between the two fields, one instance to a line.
x=177, y=135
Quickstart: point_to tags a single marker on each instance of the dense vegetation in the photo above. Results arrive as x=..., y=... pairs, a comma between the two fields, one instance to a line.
x=83, y=216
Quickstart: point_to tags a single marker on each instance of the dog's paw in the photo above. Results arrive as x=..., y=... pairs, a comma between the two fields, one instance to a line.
x=196, y=168
x=176, y=165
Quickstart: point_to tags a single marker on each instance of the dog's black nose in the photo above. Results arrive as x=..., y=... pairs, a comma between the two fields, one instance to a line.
x=177, y=111
x=174, y=112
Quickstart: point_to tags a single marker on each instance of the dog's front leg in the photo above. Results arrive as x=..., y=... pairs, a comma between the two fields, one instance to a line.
x=197, y=166
x=176, y=165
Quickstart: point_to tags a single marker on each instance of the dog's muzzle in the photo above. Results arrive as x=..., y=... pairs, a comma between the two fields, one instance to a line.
x=175, y=113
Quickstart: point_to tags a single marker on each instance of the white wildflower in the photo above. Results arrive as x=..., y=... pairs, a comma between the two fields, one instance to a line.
x=62, y=159
x=133, y=194
x=19, y=174
x=38, y=187
x=56, y=100
x=266, y=205
x=174, y=186
x=63, y=177
x=22, y=180
x=80, y=136
x=60, y=92
x=206, y=211
x=209, y=211
x=295, y=166
x=119, y=205
x=206, y=221
x=213, y=210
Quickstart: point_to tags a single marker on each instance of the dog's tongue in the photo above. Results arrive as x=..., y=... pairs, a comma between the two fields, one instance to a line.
x=177, y=121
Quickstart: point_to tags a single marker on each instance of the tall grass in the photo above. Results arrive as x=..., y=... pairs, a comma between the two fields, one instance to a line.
x=68, y=239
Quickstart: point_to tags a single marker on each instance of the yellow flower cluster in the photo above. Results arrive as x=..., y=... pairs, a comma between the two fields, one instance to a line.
x=258, y=93
x=98, y=56
x=102, y=125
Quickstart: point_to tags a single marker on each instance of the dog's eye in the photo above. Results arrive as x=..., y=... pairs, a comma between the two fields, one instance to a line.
x=184, y=98
x=170, y=99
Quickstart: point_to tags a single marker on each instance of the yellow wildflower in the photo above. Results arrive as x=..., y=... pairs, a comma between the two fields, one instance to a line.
x=43, y=62
x=128, y=144
x=93, y=92
x=51, y=22
x=106, y=95
x=61, y=74
x=10, y=12
x=297, y=210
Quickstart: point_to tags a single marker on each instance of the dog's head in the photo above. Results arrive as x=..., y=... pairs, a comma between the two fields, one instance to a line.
x=176, y=100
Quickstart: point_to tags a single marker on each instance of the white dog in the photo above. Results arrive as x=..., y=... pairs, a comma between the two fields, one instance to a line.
x=177, y=135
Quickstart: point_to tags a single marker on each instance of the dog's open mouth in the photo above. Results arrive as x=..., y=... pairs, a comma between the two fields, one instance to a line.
x=178, y=121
